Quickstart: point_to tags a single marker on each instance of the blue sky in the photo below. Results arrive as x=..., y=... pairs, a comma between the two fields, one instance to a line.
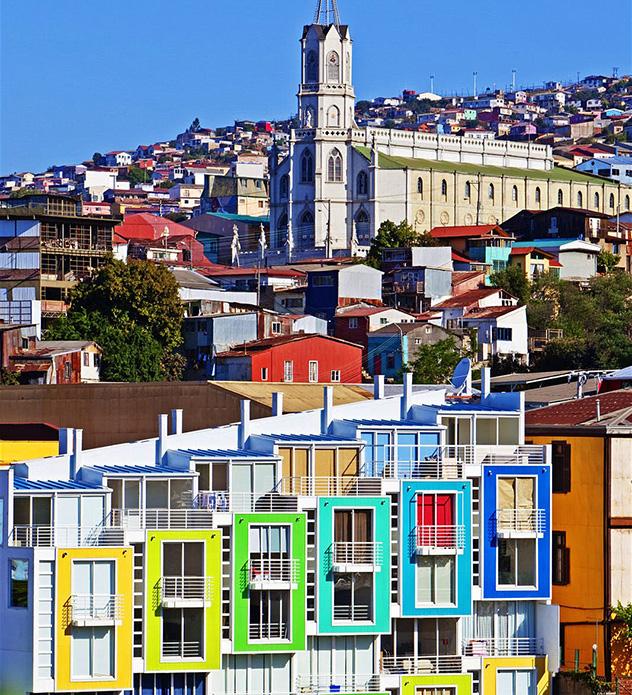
x=79, y=77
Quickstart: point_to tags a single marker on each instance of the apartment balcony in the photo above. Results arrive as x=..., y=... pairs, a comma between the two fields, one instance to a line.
x=409, y=286
x=438, y=539
x=182, y=650
x=66, y=536
x=266, y=573
x=331, y=486
x=503, y=646
x=161, y=519
x=244, y=502
x=420, y=665
x=356, y=556
x=96, y=610
x=269, y=631
x=520, y=523
x=356, y=613
x=334, y=683
x=186, y=592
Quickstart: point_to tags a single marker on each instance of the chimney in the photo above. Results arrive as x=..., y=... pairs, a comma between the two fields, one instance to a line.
x=244, y=424
x=66, y=436
x=378, y=387
x=598, y=404
x=176, y=421
x=77, y=448
x=326, y=415
x=277, y=403
x=486, y=376
x=161, y=444
x=407, y=391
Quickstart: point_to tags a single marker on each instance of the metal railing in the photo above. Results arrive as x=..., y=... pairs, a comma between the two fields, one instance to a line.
x=414, y=665
x=161, y=518
x=338, y=683
x=503, y=646
x=184, y=588
x=520, y=520
x=439, y=537
x=357, y=612
x=356, y=553
x=268, y=631
x=330, y=486
x=96, y=607
x=284, y=570
x=66, y=536
x=182, y=650
x=244, y=502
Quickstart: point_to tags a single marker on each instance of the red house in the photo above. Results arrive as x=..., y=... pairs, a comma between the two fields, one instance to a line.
x=302, y=358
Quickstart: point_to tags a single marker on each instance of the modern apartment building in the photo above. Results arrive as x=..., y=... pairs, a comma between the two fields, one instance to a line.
x=398, y=545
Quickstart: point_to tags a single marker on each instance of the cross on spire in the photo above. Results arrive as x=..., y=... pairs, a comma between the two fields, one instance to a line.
x=327, y=13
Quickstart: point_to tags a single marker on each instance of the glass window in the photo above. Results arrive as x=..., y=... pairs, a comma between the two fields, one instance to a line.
x=92, y=652
x=19, y=590
x=516, y=562
x=486, y=431
x=334, y=167
x=435, y=580
x=508, y=430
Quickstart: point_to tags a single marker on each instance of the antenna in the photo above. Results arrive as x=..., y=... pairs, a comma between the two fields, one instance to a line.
x=327, y=13
x=462, y=377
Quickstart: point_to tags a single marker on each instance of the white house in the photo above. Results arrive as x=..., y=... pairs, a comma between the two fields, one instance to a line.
x=502, y=332
x=615, y=168
x=579, y=260
x=118, y=159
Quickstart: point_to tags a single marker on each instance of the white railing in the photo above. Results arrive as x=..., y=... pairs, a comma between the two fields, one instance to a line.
x=273, y=570
x=185, y=588
x=244, y=502
x=268, y=631
x=357, y=612
x=67, y=536
x=521, y=520
x=356, y=553
x=331, y=486
x=96, y=607
x=182, y=650
x=503, y=646
x=161, y=518
x=415, y=665
x=439, y=537
x=342, y=683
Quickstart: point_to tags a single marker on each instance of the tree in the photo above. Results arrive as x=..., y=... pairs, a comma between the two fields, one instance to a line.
x=97, y=159
x=136, y=175
x=392, y=236
x=435, y=363
x=513, y=280
x=133, y=311
x=607, y=261
x=195, y=126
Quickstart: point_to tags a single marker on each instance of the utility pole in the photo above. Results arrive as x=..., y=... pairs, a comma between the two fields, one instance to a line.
x=328, y=239
x=475, y=75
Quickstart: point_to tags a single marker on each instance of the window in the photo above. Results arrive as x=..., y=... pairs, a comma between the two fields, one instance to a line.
x=516, y=682
x=182, y=632
x=514, y=194
x=334, y=167
x=491, y=431
x=333, y=117
x=390, y=361
x=67, y=370
x=561, y=559
x=612, y=201
x=306, y=230
x=435, y=580
x=420, y=186
x=269, y=615
x=284, y=187
x=468, y=190
x=501, y=333
x=362, y=183
x=288, y=371
x=313, y=371
x=444, y=189
x=516, y=561
x=323, y=280
x=307, y=167
x=491, y=194
x=311, y=67
x=19, y=589
x=627, y=202
x=335, y=375
x=264, y=373
x=353, y=596
x=86, y=359
x=92, y=652
x=561, y=465
x=580, y=199
x=435, y=520
x=353, y=322
x=333, y=67
x=560, y=197
x=276, y=327
x=25, y=343
x=440, y=690
x=596, y=201
x=362, y=227
x=538, y=196
x=383, y=321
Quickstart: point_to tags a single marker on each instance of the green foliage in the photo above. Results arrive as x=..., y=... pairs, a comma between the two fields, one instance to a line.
x=434, y=364
x=133, y=311
x=8, y=378
x=195, y=126
x=514, y=281
x=97, y=158
x=137, y=175
x=390, y=236
x=624, y=614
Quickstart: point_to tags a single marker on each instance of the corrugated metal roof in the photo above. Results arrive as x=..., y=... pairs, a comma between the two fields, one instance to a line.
x=139, y=470
x=225, y=453
x=308, y=438
x=52, y=485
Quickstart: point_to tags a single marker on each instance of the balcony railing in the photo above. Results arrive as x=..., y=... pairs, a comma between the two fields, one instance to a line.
x=356, y=553
x=343, y=683
x=174, y=590
x=167, y=519
x=418, y=665
x=91, y=609
x=182, y=650
x=518, y=522
x=426, y=539
x=501, y=646
x=244, y=502
x=273, y=571
x=67, y=536
x=330, y=486
x=357, y=612
x=277, y=631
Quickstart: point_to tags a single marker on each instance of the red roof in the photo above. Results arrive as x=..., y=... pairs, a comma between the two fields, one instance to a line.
x=467, y=298
x=459, y=258
x=580, y=411
x=489, y=312
x=269, y=343
x=144, y=225
x=522, y=251
x=467, y=231
x=270, y=272
x=364, y=311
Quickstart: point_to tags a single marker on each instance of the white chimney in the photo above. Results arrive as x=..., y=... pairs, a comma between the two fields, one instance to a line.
x=77, y=448
x=326, y=415
x=486, y=382
x=163, y=431
x=407, y=392
x=176, y=421
x=244, y=425
x=66, y=437
x=378, y=387
x=277, y=403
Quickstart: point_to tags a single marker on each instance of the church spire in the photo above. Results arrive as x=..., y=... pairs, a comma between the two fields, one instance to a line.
x=327, y=13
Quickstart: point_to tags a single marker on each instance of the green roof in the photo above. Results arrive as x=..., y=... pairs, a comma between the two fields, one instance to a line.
x=231, y=217
x=387, y=161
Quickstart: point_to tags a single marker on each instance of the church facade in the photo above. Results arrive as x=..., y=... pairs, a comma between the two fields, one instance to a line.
x=339, y=182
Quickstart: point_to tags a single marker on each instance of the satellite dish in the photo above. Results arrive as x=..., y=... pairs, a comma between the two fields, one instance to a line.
x=462, y=375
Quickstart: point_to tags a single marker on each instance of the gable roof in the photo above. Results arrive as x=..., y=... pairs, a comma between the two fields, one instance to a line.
x=480, y=230
x=582, y=411
x=468, y=298
x=268, y=343
x=144, y=225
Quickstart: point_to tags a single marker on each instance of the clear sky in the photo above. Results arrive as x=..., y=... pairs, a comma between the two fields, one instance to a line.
x=79, y=76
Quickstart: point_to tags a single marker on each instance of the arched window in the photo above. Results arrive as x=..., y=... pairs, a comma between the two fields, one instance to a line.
x=491, y=193
x=627, y=202
x=307, y=167
x=612, y=201
x=420, y=186
x=362, y=227
x=468, y=190
x=334, y=167
x=580, y=199
x=560, y=197
x=306, y=239
x=333, y=67
x=362, y=183
x=514, y=194
x=444, y=188
x=311, y=67
x=333, y=117
x=596, y=201
x=538, y=196
x=284, y=187
x=282, y=223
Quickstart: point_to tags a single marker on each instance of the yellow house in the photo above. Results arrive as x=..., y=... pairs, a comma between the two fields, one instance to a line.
x=22, y=441
x=533, y=261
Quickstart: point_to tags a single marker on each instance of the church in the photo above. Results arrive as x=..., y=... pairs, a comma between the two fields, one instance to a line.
x=339, y=182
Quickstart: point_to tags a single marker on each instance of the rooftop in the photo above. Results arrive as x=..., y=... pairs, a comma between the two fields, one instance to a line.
x=612, y=405
x=268, y=343
x=467, y=298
